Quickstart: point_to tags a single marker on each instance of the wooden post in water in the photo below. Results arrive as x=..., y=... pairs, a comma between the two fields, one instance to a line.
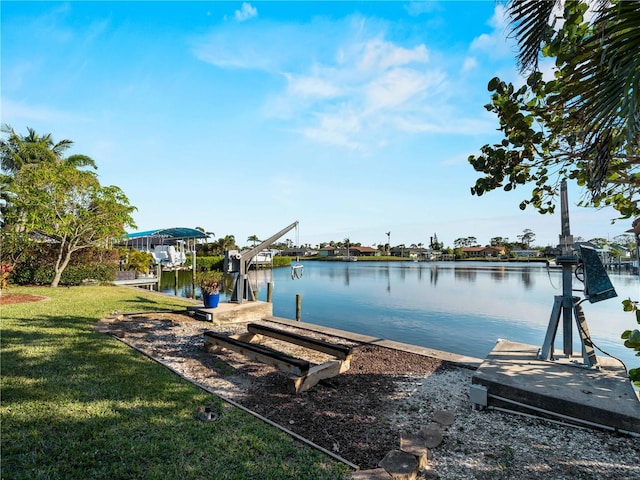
x=298, y=306
x=193, y=270
x=270, y=292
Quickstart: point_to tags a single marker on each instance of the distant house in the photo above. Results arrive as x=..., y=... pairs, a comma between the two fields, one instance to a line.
x=416, y=253
x=622, y=251
x=354, y=251
x=484, y=251
x=525, y=253
x=327, y=251
x=296, y=252
x=364, y=251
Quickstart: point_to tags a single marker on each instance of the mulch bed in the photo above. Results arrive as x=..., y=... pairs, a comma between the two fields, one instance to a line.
x=358, y=414
x=348, y=414
x=13, y=298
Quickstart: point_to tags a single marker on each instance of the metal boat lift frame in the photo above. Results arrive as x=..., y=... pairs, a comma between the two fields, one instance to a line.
x=239, y=263
x=597, y=287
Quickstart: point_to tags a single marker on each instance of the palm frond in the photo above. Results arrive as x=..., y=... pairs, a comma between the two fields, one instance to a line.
x=604, y=77
x=530, y=21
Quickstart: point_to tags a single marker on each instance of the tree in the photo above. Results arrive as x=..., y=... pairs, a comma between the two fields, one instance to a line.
x=56, y=199
x=498, y=241
x=599, y=242
x=208, y=234
x=587, y=118
x=17, y=150
x=602, y=83
x=254, y=239
x=228, y=242
x=527, y=238
x=547, y=134
x=626, y=240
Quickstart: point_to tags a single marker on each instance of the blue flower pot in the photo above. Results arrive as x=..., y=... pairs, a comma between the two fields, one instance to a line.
x=210, y=300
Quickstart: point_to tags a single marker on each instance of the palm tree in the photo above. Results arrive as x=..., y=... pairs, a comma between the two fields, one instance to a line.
x=602, y=77
x=17, y=150
x=254, y=239
x=228, y=242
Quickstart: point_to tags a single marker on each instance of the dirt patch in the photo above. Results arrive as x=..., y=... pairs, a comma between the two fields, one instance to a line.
x=13, y=298
x=361, y=413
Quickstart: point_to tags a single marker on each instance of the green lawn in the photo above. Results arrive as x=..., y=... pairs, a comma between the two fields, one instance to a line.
x=79, y=404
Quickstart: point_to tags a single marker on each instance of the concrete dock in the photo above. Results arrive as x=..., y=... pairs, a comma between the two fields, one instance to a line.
x=515, y=379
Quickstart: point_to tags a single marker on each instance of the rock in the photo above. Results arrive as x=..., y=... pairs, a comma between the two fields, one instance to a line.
x=444, y=418
x=375, y=474
x=432, y=435
x=416, y=446
x=400, y=465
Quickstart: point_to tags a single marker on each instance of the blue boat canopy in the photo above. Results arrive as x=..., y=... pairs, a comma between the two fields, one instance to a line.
x=175, y=233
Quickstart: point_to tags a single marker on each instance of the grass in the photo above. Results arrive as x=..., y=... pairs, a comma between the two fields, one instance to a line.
x=80, y=404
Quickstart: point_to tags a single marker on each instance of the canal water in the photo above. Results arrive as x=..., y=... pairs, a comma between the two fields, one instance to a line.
x=459, y=307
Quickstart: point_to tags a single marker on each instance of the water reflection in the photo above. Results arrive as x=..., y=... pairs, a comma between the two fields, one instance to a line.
x=459, y=307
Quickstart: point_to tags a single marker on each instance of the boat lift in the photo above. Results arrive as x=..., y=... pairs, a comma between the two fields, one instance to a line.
x=597, y=287
x=239, y=262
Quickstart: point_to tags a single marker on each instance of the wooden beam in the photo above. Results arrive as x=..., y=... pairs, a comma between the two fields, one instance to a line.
x=305, y=374
x=320, y=372
x=342, y=352
x=259, y=353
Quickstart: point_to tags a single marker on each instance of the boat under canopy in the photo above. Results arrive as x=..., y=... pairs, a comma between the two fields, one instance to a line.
x=168, y=246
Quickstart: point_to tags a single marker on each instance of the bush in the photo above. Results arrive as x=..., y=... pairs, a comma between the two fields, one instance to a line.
x=72, y=275
x=139, y=261
x=281, y=261
x=208, y=263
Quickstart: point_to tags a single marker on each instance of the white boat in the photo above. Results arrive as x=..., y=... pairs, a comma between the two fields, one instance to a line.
x=264, y=257
x=168, y=256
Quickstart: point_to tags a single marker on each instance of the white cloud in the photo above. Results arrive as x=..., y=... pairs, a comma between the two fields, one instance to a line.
x=337, y=126
x=246, y=12
x=17, y=111
x=469, y=64
x=417, y=8
x=263, y=46
x=496, y=43
x=396, y=87
x=347, y=83
x=311, y=86
x=379, y=55
x=446, y=122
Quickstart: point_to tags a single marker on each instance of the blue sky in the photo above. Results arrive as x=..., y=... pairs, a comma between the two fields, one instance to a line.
x=240, y=117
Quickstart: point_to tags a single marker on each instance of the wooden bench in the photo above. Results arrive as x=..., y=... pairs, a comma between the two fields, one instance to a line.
x=303, y=373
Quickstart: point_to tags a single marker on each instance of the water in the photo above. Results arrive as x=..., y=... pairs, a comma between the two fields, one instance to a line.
x=459, y=307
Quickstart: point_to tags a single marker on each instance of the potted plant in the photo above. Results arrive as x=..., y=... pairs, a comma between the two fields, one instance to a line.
x=210, y=283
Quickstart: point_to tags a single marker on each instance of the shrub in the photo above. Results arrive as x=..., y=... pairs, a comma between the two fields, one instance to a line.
x=208, y=263
x=139, y=261
x=73, y=274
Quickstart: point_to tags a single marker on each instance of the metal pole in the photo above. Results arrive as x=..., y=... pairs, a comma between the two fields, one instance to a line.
x=567, y=260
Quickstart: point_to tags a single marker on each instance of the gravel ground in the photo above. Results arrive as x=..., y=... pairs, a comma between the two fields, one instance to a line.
x=361, y=413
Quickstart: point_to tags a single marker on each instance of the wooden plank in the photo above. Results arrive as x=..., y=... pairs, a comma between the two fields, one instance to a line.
x=339, y=351
x=320, y=372
x=260, y=353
